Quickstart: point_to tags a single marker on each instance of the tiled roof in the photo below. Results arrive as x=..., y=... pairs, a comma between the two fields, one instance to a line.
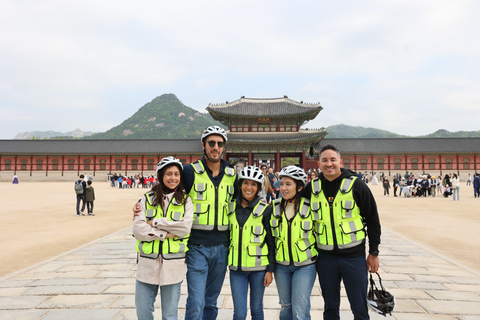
x=275, y=136
x=264, y=108
x=405, y=145
x=193, y=146
x=66, y=147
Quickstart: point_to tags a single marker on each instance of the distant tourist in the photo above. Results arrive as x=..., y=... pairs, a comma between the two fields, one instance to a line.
x=15, y=179
x=89, y=197
x=80, y=186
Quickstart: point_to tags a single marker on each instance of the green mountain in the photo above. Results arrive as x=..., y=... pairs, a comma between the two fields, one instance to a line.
x=165, y=117
x=75, y=134
x=442, y=133
x=344, y=131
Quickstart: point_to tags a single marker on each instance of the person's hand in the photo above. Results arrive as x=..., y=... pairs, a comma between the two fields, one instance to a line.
x=373, y=263
x=136, y=210
x=170, y=235
x=268, y=279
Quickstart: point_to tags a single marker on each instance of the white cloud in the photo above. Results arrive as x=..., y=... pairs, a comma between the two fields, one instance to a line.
x=375, y=63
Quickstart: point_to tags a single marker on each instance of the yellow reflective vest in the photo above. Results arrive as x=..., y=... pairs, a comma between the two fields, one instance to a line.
x=248, y=246
x=339, y=223
x=210, y=203
x=170, y=248
x=295, y=240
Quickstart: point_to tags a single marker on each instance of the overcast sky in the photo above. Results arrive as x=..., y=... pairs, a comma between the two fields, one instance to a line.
x=407, y=66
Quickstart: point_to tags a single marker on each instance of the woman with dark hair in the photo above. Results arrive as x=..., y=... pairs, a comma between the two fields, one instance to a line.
x=251, y=256
x=161, y=230
x=292, y=225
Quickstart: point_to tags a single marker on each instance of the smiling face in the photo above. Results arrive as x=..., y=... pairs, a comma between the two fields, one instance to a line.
x=171, y=177
x=249, y=189
x=330, y=164
x=214, y=153
x=288, y=188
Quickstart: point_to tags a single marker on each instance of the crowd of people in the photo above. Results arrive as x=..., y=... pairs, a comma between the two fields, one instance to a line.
x=136, y=181
x=203, y=218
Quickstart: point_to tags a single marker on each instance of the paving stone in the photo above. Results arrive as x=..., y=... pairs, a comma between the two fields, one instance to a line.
x=20, y=302
x=451, y=272
x=463, y=287
x=62, y=282
x=22, y=314
x=454, y=295
x=86, y=274
x=420, y=285
x=406, y=305
x=128, y=302
x=112, y=267
x=417, y=316
x=451, y=307
x=431, y=260
x=82, y=314
x=12, y=291
x=464, y=280
x=117, y=281
x=120, y=289
x=406, y=270
x=58, y=290
x=78, y=301
x=469, y=318
x=15, y=283
x=409, y=294
x=77, y=268
x=430, y=278
x=115, y=274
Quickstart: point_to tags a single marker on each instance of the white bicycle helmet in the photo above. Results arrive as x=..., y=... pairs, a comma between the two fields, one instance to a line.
x=214, y=130
x=295, y=173
x=380, y=301
x=167, y=161
x=251, y=173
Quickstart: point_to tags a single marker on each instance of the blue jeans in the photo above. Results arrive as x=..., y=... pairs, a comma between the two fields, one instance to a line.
x=331, y=270
x=80, y=197
x=206, y=268
x=456, y=191
x=145, y=295
x=294, y=286
x=239, y=281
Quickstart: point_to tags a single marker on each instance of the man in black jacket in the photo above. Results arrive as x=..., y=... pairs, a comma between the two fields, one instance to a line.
x=344, y=207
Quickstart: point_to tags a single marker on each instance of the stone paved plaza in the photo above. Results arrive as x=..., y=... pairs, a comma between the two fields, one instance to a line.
x=97, y=281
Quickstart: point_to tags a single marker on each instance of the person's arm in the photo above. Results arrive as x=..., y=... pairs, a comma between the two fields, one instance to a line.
x=179, y=228
x=368, y=210
x=270, y=242
x=142, y=230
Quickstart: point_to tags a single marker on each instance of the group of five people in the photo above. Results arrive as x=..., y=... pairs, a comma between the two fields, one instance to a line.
x=202, y=217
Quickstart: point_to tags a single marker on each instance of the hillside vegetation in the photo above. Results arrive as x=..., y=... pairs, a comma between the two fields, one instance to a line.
x=165, y=117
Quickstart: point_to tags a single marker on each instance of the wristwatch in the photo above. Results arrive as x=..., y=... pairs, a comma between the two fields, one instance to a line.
x=375, y=253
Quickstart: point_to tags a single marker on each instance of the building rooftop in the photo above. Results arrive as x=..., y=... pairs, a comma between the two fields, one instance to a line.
x=404, y=145
x=193, y=146
x=251, y=107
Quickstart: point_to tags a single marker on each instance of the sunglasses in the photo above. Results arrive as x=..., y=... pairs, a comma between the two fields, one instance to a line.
x=213, y=143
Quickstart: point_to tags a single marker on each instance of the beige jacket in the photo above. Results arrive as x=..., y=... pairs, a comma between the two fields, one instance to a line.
x=159, y=271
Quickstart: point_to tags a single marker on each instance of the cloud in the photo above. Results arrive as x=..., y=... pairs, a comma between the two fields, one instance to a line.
x=401, y=65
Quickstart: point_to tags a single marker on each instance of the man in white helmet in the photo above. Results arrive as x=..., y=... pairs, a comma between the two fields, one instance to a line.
x=212, y=185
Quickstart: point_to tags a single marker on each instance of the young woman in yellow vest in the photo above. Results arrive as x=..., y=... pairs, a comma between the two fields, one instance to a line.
x=161, y=231
x=293, y=228
x=251, y=257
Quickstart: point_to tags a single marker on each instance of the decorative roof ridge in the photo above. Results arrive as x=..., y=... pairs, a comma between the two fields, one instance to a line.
x=265, y=100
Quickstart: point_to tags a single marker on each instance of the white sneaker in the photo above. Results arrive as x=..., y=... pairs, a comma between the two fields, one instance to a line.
x=81, y=212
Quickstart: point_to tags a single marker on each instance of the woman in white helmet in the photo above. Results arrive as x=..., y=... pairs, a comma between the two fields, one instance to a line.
x=161, y=230
x=251, y=257
x=293, y=228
